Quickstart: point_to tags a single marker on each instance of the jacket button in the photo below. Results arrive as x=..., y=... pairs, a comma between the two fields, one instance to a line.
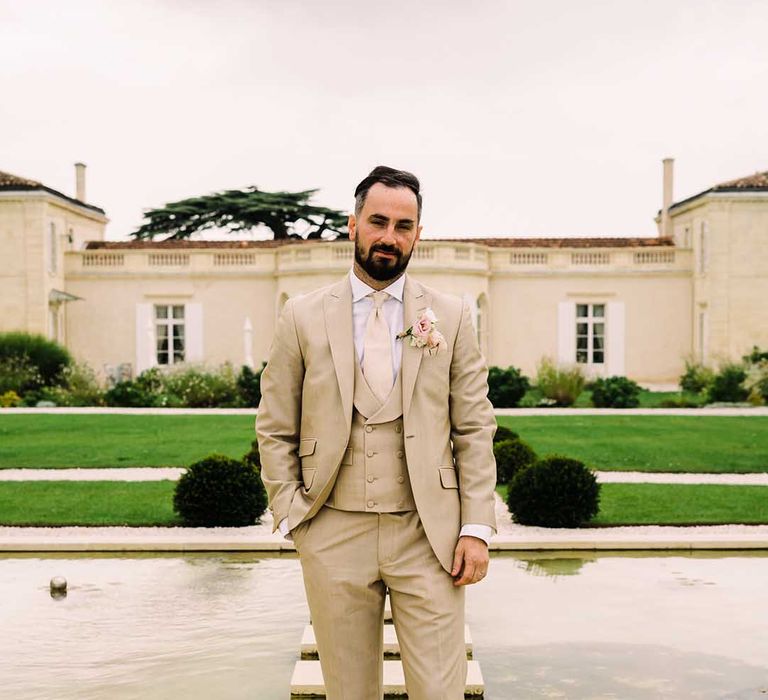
x=370, y=453
x=371, y=504
x=371, y=479
x=368, y=428
x=400, y=479
x=400, y=454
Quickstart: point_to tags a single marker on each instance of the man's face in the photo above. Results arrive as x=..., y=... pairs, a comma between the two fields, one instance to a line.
x=386, y=231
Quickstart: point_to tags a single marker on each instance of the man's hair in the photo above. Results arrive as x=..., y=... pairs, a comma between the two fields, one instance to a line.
x=390, y=178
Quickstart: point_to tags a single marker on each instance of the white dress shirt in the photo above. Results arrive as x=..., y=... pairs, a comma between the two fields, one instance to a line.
x=362, y=305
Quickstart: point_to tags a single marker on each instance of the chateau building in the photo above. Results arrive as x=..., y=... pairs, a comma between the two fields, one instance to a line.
x=618, y=306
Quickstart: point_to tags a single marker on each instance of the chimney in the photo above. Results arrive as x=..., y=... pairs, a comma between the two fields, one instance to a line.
x=80, y=181
x=666, y=227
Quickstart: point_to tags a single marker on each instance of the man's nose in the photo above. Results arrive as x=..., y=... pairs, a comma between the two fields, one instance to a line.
x=389, y=235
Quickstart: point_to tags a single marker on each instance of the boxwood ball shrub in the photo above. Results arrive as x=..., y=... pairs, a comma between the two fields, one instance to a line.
x=554, y=492
x=504, y=433
x=506, y=386
x=615, y=392
x=219, y=491
x=511, y=457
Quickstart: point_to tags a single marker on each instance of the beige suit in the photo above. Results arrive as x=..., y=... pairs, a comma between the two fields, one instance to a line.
x=310, y=401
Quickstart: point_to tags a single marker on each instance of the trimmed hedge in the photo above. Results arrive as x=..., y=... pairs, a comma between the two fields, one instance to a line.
x=555, y=492
x=220, y=492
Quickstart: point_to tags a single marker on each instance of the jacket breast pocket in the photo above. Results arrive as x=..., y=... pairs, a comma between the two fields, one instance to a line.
x=448, y=478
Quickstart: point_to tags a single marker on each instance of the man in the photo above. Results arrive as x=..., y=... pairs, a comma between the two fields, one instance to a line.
x=375, y=434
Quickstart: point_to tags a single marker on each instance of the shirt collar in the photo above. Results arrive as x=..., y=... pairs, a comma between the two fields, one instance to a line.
x=360, y=289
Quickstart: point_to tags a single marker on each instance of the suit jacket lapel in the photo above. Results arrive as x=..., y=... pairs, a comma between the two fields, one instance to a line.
x=337, y=306
x=415, y=300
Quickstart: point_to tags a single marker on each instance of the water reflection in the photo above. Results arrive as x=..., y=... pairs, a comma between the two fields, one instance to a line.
x=228, y=626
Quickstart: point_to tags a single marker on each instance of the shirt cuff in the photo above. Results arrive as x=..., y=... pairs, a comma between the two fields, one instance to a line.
x=482, y=532
x=284, y=531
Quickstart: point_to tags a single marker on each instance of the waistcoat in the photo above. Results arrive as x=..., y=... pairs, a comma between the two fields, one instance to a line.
x=373, y=475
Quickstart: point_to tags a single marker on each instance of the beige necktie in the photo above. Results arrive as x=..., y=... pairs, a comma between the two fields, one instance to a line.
x=377, y=349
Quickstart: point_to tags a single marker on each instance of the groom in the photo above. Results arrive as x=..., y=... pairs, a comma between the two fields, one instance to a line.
x=376, y=452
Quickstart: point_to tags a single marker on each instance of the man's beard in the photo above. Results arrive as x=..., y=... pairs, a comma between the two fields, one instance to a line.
x=382, y=269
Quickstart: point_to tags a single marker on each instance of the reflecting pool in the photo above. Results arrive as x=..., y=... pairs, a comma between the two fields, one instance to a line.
x=228, y=626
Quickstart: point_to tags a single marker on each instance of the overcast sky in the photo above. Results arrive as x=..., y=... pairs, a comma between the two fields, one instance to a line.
x=520, y=118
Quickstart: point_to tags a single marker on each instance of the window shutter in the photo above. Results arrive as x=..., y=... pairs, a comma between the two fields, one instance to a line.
x=566, y=332
x=193, y=320
x=614, y=338
x=145, y=351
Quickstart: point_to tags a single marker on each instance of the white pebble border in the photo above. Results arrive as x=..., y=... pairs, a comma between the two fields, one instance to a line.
x=174, y=473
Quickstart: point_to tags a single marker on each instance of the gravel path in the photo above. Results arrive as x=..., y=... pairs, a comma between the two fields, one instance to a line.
x=173, y=473
x=738, y=410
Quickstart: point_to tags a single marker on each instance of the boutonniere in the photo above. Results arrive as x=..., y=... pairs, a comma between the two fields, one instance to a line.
x=424, y=334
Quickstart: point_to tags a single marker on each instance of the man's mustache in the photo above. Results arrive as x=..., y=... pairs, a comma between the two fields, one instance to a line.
x=384, y=249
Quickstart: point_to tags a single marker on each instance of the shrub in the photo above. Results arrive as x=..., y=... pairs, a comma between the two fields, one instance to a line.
x=252, y=458
x=9, y=399
x=504, y=433
x=696, y=377
x=561, y=385
x=48, y=357
x=19, y=375
x=678, y=402
x=506, y=386
x=128, y=394
x=199, y=388
x=219, y=492
x=80, y=387
x=555, y=492
x=756, y=356
x=727, y=385
x=249, y=385
x=615, y=392
x=511, y=457
x=756, y=382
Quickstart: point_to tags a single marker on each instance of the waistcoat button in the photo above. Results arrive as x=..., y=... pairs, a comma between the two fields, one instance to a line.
x=370, y=453
x=400, y=454
x=371, y=479
x=397, y=428
x=368, y=428
x=371, y=504
x=400, y=479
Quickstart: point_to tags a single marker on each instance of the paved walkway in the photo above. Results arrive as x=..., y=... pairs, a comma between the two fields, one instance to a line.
x=714, y=411
x=173, y=473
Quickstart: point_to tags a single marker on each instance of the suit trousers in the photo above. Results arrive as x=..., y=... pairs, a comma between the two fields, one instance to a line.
x=348, y=559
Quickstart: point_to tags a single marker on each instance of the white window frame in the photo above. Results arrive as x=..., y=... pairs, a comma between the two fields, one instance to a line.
x=591, y=320
x=164, y=330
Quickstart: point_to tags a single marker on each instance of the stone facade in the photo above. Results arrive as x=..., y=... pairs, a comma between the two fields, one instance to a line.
x=634, y=307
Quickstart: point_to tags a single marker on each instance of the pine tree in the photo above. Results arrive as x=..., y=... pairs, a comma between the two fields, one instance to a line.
x=241, y=210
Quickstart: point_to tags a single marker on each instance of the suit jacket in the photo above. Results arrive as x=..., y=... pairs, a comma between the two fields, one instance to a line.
x=305, y=414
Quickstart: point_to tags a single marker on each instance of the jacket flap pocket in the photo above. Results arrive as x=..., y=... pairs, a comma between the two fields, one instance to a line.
x=448, y=478
x=307, y=446
x=308, y=475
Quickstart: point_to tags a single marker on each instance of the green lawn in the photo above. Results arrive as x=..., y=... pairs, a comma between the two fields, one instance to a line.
x=647, y=443
x=41, y=503
x=678, y=504
x=651, y=443
x=681, y=504
x=61, y=503
x=49, y=440
x=648, y=399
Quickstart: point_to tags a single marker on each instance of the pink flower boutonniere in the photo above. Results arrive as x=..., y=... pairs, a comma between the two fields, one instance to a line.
x=424, y=334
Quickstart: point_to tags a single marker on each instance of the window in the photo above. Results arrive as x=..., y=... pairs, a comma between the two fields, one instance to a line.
x=703, y=248
x=169, y=333
x=54, y=254
x=590, y=333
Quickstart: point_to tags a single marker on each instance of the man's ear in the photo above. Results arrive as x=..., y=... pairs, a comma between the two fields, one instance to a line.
x=351, y=223
x=418, y=234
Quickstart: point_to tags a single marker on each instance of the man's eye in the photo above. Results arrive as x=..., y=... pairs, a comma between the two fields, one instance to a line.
x=404, y=227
